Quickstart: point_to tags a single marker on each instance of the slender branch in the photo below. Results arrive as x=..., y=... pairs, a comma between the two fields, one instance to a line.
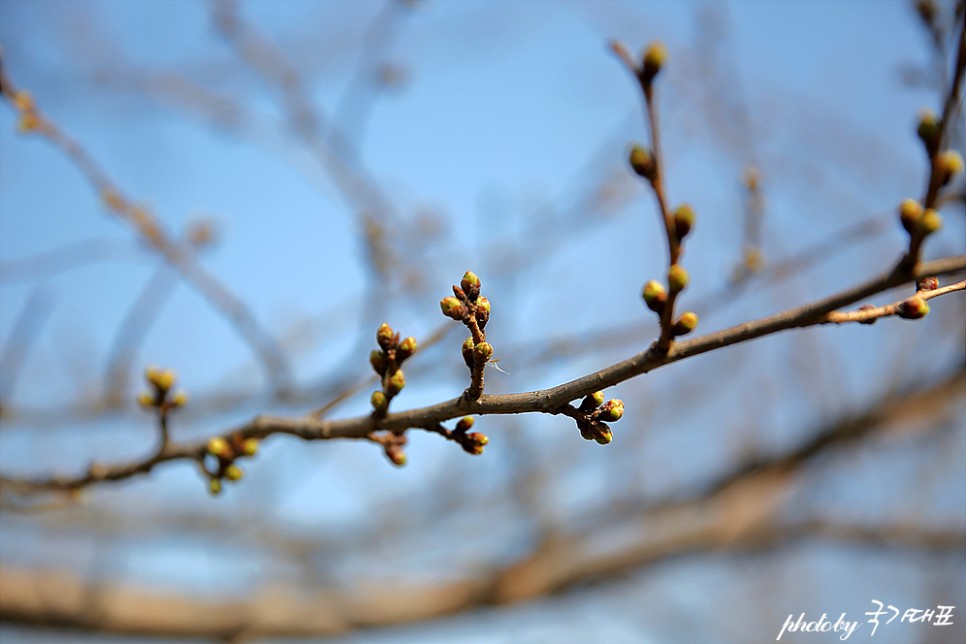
x=551, y=401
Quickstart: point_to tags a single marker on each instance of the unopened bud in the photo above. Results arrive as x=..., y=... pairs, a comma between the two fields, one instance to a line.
x=655, y=296
x=913, y=309
x=234, y=473
x=379, y=361
x=930, y=222
x=642, y=163
x=146, y=400
x=379, y=401
x=677, y=278
x=683, y=220
x=218, y=446
x=929, y=129
x=464, y=423
x=396, y=383
x=482, y=352
x=949, y=163
x=475, y=442
x=406, y=348
x=160, y=379
x=655, y=57
x=249, y=446
x=687, y=323
x=930, y=283
x=467, y=350
x=385, y=337
x=214, y=486
x=910, y=211
x=592, y=401
x=470, y=285
x=612, y=410
x=452, y=308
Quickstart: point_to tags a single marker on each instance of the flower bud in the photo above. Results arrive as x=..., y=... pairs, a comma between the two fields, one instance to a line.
x=654, y=296
x=910, y=211
x=930, y=222
x=249, y=446
x=604, y=436
x=467, y=350
x=379, y=361
x=218, y=446
x=683, y=220
x=474, y=443
x=687, y=323
x=929, y=129
x=396, y=383
x=465, y=423
x=379, y=401
x=146, y=400
x=482, y=352
x=592, y=401
x=160, y=379
x=214, y=487
x=470, y=285
x=452, y=308
x=677, y=278
x=930, y=283
x=612, y=410
x=234, y=473
x=180, y=399
x=406, y=348
x=913, y=309
x=655, y=57
x=642, y=163
x=385, y=337
x=949, y=163
x=396, y=456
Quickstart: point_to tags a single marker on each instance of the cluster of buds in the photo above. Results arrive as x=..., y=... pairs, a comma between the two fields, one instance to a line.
x=471, y=442
x=393, y=445
x=593, y=414
x=221, y=454
x=918, y=221
x=387, y=361
x=30, y=120
x=466, y=305
x=160, y=398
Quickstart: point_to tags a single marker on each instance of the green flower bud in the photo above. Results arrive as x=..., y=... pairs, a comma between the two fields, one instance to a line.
x=930, y=222
x=592, y=401
x=677, y=278
x=474, y=443
x=465, y=423
x=146, y=400
x=482, y=352
x=234, y=473
x=379, y=361
x=910, y=211
x=642, y=163
x=482, y=312
x=913, y=309
x=687, y=323
x=180, y=399
x=160, y=379
x=379, y=401
x=604, y=436
x=612, y=410
x=654, y=296
x=385, y=337
x=467, y=350
x=406, y=348
x=452, y=308
x=683, y=220
x=396, y=383
x=470, y=285
x=214, y=487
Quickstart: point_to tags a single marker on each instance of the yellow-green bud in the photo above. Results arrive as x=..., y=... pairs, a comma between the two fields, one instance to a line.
x=949, y=163
x=160, y=379
x=406, y=348
x=249, y=446
x=677, y=278
x=475, y=442
x=379, y=401
x=396, y=456
x=913, y=309
x=180, y=399
x=910, y=211
x=214, y=486
x=234, y=473
x=655, y=57
x=930, y=222
x=470, y=285
x=218, y=446
x=146, y=400
x=929, y=129
x=482, y=352
x=465, y=423
x=604, y=436
x=467, y=350
x=687, y=323
x=612, y=410
x=379, y=361
x=385, y=336
x=484, y=304
x=683, y=220
x=642, y=163
x=655, y=296
x=396, y=383
x=452, y=308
